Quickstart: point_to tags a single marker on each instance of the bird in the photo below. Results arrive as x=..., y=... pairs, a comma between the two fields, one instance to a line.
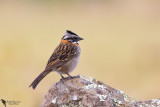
x=64, y=59
x=4, y=102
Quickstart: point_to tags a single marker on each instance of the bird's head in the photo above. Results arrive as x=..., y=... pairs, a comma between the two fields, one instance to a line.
x=71, y=37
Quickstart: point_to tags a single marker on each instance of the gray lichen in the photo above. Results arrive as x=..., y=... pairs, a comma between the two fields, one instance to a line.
x=75, y=97
x=54, y=100
x=156, y=101
x=117, y=102
x=85, y=91
x=90, y=79
x=102, y=97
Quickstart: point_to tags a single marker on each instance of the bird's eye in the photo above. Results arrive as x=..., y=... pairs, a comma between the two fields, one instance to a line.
x=74, y=38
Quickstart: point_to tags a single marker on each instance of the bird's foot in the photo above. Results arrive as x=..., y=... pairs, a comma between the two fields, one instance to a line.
x=69, y=77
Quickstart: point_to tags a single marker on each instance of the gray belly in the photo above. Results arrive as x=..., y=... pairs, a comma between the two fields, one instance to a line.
x=70, y=65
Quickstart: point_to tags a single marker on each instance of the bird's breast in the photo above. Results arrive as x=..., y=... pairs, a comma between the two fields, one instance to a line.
x=71, y=64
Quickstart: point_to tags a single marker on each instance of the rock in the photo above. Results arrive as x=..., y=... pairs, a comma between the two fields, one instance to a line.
x=81, y=91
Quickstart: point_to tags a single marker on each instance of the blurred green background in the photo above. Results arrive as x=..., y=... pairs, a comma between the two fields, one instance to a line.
x=121, y=46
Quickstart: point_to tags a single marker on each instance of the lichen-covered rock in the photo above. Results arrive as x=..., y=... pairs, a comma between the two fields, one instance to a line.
x=84, y=91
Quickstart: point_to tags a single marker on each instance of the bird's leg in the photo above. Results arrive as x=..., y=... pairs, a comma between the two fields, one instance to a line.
x=62, y=76
x=69, y=76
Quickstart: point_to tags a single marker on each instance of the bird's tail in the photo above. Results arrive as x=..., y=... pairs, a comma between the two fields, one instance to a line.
x=38, y=79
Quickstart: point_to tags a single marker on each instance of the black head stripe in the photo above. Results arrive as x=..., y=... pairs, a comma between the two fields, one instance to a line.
x=70, y=32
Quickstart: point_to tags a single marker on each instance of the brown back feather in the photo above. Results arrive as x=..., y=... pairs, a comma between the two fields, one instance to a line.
x=62, y=54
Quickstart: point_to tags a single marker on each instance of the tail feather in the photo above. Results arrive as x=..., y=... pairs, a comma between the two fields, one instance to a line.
x=38, y=79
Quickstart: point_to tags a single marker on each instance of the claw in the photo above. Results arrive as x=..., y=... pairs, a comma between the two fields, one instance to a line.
x=69, y=76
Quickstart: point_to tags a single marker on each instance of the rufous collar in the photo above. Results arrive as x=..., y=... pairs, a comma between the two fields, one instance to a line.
x=65, y=41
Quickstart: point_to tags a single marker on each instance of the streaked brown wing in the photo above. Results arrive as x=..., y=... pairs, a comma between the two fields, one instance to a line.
x=62, y=54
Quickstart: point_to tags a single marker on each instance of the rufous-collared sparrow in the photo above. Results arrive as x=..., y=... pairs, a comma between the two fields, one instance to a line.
x=64, y=58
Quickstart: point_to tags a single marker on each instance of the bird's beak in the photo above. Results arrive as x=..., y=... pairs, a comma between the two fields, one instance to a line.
x=80, y=38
